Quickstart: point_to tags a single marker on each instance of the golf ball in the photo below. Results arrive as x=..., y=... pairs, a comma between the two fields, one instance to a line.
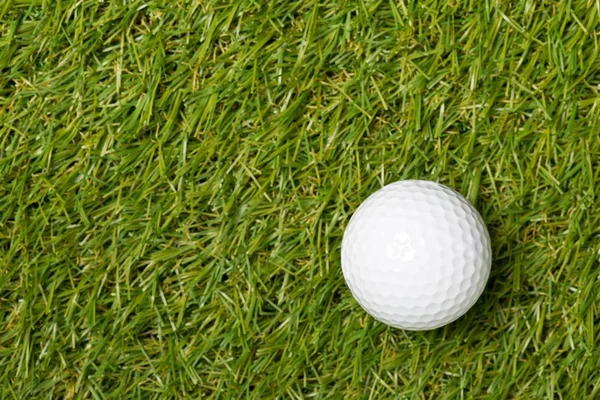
x=416, y=255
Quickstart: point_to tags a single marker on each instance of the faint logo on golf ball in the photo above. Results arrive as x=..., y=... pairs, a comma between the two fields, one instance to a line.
x=401, y=248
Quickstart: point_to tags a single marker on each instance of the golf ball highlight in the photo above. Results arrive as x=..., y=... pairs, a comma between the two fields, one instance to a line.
x=416, y=255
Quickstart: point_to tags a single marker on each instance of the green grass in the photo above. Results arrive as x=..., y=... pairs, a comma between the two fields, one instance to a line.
x=176, y=176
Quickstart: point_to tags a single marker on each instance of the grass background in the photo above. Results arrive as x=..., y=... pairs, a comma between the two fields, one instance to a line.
x=175, y=178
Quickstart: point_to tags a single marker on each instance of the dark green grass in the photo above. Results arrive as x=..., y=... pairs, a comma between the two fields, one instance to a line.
x=175, y=178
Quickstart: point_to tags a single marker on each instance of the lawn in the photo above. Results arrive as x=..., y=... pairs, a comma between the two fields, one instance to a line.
x=176, y=177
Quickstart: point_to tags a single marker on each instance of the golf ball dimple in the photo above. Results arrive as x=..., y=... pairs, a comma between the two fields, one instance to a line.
x=416, y=255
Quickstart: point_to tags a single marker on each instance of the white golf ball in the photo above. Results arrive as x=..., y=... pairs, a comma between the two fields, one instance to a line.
x=416, y=255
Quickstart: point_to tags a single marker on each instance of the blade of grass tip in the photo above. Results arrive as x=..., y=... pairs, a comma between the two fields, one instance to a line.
x=474, y=187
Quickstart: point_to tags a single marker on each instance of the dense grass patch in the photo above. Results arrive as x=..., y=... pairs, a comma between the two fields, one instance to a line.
x=175, y=178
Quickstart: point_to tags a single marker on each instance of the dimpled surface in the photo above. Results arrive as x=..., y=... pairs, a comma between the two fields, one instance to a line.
x=416, y=255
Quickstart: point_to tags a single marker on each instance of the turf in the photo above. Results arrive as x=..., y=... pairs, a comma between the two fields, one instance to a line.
x=176, y=176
